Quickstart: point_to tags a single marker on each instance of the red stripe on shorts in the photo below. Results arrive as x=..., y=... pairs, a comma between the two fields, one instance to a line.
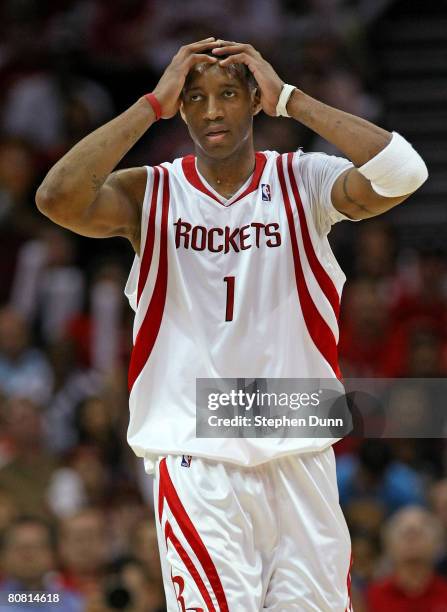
x=170, y=535
x=167, y=492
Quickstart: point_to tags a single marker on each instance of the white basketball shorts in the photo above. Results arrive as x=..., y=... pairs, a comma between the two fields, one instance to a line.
x=237, y=539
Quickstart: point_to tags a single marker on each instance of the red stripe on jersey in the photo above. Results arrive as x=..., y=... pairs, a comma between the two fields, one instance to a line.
x=167, y=492
x=318, y=329
x=260, y=162
x=191, y=174
x=170, y=535
x=323, y=278
x=150, y=327
x=150, y=236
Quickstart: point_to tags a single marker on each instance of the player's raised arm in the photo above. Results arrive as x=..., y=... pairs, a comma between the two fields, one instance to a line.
x=388, y=168
x=82, y=193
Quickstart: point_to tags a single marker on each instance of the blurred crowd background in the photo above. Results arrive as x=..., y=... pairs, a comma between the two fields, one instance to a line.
x=75, y=504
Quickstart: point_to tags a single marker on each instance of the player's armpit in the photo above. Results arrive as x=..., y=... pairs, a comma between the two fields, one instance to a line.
x=353, y=196
x=116, y=211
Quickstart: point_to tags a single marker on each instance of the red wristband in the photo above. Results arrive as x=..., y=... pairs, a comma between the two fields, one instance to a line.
x=151, y=98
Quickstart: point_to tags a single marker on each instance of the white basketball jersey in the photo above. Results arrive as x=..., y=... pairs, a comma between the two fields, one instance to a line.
x=240, y=288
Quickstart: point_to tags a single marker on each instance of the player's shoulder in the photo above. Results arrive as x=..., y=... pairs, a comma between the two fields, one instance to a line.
x=318, y=165
x=311, y=158
x=300, y=158
x=176, y=167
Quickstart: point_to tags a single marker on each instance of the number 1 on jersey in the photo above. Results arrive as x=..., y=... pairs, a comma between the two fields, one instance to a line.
x=230, y=297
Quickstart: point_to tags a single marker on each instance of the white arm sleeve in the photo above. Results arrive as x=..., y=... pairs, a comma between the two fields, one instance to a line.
x=316, y=173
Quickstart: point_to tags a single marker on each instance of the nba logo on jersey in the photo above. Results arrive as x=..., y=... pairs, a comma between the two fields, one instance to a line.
x=265, y=190
x=186, y=461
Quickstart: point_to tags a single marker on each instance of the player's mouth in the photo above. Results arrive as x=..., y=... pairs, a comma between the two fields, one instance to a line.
x=216, y=135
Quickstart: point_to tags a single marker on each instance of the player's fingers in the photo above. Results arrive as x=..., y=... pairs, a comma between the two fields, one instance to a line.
x=227, y=46
x=201, y=58
x=233, y=50
x=238, y=58
x=223, y=43
x=198, y=42
x=201, y=44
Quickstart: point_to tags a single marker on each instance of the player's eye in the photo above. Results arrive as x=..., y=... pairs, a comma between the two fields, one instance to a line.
x=194, y=97
x=230, y=92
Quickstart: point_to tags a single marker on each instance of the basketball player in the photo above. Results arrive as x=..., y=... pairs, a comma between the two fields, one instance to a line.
x=233, y=277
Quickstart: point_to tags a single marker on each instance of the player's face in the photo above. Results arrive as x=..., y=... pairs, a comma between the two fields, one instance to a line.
x=218, y=108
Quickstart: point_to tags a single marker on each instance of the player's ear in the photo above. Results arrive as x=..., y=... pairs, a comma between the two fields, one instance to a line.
x=256, y=100
x=182, y=112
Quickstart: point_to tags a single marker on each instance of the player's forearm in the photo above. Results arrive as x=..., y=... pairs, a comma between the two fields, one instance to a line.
x=74, y=181
x=358, y=139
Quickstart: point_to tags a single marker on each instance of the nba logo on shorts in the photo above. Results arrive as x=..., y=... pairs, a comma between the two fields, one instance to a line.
x=265, y=190
x=186, y=460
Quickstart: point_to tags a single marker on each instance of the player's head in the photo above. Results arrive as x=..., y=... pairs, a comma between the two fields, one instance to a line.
x=220, y=97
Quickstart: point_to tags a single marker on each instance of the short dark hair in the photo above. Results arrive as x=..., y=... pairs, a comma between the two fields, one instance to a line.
x=242, y=71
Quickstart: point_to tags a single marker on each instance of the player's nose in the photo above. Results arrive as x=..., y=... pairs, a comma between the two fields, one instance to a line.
x=213, y=109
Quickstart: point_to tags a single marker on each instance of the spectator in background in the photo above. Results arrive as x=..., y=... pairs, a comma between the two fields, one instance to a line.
x=418, y=312
x=72, y=385
x=28, y=562
x=424, y=354
x=366, y=552
x=423, y=292
x=144, y=548
x=375, y=253
x=18, y=221
x=68, y=104
x=8, y=510
x=375, y=476
x=365, y=329
x=118, y=31
x=127, y=581
x=124, y=513
x=48, y=287
x=83, y=551
x=438, y=503
x=412, y=538
x=66, y=493
x=95, y=477
x=18, y=176
x=27, y=474
x=96, y=428
x=24, y=370
x=415, y=350
x=97, y=333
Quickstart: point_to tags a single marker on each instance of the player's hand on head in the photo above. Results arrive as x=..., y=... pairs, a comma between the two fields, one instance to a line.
x=270, y=84
x=170, y=86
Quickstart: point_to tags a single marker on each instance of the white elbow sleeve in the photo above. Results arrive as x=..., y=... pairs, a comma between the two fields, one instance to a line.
x=397, y=170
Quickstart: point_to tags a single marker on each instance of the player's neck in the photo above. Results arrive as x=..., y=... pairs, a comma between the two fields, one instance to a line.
x=226, y=176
